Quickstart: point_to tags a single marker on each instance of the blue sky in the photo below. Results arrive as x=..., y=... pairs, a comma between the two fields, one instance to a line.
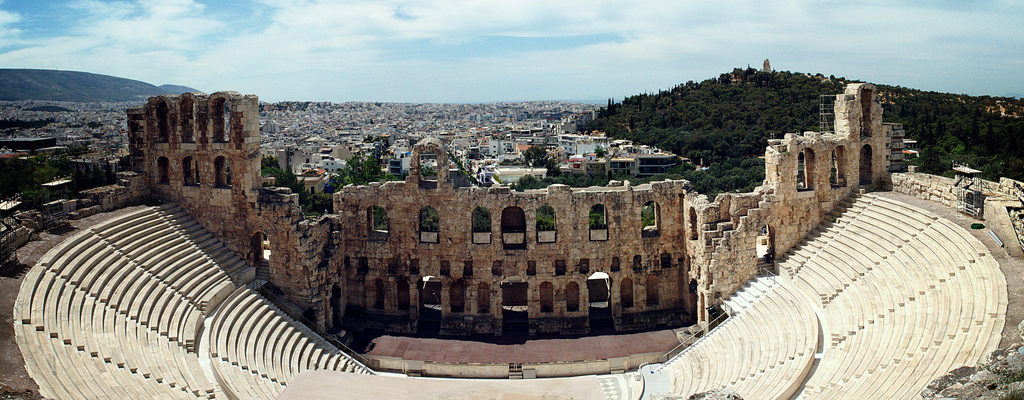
x=481, y=50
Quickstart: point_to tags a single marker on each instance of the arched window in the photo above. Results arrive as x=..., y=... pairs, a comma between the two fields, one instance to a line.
x=865, y=113
x=222, y=172
x=513, y=228
x=546, y=232
x=481, y=218
x=837, y=175
x=626, y=293
x=162, y=167
x=809, y=169
x=652, y=290
x=572, y=297
x=190, y=171
x=186, y=113
x=805, y=170
x=598, y=222
x=219, y=115
x=162, y=124
x=378, y=294
x=483, y=298
x=547, y=297
x=649, y=219
x=377, y=222
x=403, y=294
x=616, y=264
x=693, y=224
x=429, y=224
x=457, y=296
x=865, y=165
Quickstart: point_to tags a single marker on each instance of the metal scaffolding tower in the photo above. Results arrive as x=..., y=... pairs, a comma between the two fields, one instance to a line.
x=826, y=113
x=969, y=189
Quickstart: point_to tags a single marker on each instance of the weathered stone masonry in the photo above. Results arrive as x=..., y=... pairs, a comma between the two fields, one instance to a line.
x=400, y=276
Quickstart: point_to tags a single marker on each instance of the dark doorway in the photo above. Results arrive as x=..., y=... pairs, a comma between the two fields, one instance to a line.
x=865, y=165
x=515, y=308
x=598, y=289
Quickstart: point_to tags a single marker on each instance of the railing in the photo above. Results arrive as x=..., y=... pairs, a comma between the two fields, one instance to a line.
x=279, y=302
x=691, y=340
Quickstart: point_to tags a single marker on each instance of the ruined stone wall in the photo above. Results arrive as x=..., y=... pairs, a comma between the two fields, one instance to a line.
x=805, y=176
x=569, y=255
x=924, y=186
x=203, y=152
x=697, y=252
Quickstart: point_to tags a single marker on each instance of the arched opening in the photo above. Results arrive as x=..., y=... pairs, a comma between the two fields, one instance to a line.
x=765, y=247
x=805, y=170
x=337, y=312
x=514, y=307
x=429, y=224
x=865, y=113
x=162, y=124
x=378, y=295
x=190, y=171
x=547, y=297
x=377, y=223
x=483, y=298
x=186, y=113
x=403, y=294
x=457, y=296
x=259, y=246
x=666, y=260
x=615, y=265
x=638, y=263
x=163, y=174
x=222, y=172
x=546, y=232
x=430, y=305
x=597, y=219
x=572, y=297
x=693, y=224
x=220, y=116
x=836, y=174
x=626, y=293
x=481, y=225
x=652, y=291
x=598, y=289
x=513, y=228
x=865, y=165
x=650, y=221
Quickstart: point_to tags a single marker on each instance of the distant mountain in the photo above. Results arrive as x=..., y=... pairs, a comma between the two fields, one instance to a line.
x=46, y=84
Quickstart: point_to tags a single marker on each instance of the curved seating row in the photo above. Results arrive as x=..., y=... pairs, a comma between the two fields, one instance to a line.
x=256, y=349
x=114, y=311
x=763, y=352
x=900, y=295
x=905, y=296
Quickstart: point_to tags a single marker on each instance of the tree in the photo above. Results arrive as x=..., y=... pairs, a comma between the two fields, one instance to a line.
x=536, y=156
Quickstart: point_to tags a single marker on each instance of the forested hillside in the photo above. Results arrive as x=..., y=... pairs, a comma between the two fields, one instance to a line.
x=730, y=118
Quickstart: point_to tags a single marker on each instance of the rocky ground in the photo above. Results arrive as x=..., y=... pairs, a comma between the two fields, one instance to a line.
x=1002, y=377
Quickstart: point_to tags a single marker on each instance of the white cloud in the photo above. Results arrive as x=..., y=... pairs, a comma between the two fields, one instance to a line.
x=442, y=50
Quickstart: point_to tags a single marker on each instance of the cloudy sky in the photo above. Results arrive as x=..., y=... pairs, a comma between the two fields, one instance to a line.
x=481, y=50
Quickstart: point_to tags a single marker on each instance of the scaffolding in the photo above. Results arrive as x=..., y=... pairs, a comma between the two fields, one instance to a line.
x=969, y=189
x=826, y=113
x=896, y=157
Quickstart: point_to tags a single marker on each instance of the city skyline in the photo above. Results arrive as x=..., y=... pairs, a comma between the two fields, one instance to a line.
x=469, y=52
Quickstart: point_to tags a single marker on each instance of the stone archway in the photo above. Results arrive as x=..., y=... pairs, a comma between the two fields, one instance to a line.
x=599, y=307
x=440, y=151
x=865, y=165
x=515, y=306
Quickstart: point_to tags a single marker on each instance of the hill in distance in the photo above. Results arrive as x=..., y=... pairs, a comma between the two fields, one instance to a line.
x=726, y=121
x=57, y=85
